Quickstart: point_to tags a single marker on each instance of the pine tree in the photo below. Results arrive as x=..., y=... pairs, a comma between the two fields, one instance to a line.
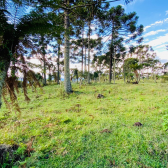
x=121, y=25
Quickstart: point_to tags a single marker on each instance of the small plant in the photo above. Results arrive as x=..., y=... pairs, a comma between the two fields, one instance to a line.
x=165, y=122
x=164, y=78
x=20, y=150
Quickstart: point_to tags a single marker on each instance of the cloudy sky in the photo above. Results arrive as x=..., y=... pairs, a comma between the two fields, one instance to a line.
x=153, y=14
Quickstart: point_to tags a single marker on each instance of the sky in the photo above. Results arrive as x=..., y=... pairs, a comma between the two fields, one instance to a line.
x=153, y=15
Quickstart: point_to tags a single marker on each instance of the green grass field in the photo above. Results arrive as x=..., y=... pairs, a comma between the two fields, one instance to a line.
x=70, y=130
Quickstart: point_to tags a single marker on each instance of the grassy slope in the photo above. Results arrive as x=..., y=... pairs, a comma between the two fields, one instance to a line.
x=68, y=127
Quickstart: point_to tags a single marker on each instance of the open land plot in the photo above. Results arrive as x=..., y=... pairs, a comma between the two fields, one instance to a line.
x=79, y=130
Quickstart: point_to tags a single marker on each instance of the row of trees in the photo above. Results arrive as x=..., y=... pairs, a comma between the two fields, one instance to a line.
x=26, y=24
x=139, y=63
x=139, y=59
x=30, y=28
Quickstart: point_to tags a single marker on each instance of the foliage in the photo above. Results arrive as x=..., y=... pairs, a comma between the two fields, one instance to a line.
x=165, y=65
x=38, y=77
x=123, y=28
x=131, y=65
x=16, y=34
x=11, y=87
x=164, y=78
x=165, y=122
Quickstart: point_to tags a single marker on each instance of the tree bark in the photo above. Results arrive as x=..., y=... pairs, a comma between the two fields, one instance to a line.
x=111, y=56
x=85, y=60
x=114, y=69
x=136, y=74
x=3, y=74
x=82, y=50
x=110, y=68
x=124, y=73
x=58, y=63
x=44, y=62
x=67, y=82
x=89, y=53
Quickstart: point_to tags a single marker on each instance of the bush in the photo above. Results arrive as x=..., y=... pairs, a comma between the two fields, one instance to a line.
x=164, y=78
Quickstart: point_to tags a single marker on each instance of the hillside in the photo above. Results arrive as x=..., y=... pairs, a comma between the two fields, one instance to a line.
x=78, y=130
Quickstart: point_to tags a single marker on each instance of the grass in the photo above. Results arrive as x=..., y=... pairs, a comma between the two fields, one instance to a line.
x=68, y=129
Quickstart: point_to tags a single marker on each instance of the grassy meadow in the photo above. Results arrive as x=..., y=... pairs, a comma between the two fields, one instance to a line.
x=80, y=131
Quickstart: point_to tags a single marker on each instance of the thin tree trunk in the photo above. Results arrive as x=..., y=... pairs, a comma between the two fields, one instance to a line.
x=82, y=50
x=114, y=69
x=85, y=59
x=89, y=54
x=67, y=82
x=137, y=75
x=44, y=80
x=110, y=68
x=99, y=77
x=124, y=73
x=111, y=56
x=3, y=73
x=44, y=62
x=58, y=63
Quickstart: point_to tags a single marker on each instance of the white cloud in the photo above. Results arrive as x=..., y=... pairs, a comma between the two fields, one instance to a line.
x=93, y=26
x=95, y=36
x=158, y=41
x=123, y=5
x=154, y=32
x=166, y=20
x=133, y=2
x=146, y=27
x=161, y=46
x=146, y=40
x=162, y=55
x=167, y=12
x=156, y=23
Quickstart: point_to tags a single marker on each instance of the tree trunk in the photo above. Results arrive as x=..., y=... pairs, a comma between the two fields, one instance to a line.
x=89, y=53
x=114, y=69
x=58, y=63
x=110, y=68
x=99, y=77
x=44, y=62
x=67, y=82
x=82, y=51
x=3, y=73
x=111, y=55
x=44, y=80
x=137, y=75
x=85, y=59
x=124, y=76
